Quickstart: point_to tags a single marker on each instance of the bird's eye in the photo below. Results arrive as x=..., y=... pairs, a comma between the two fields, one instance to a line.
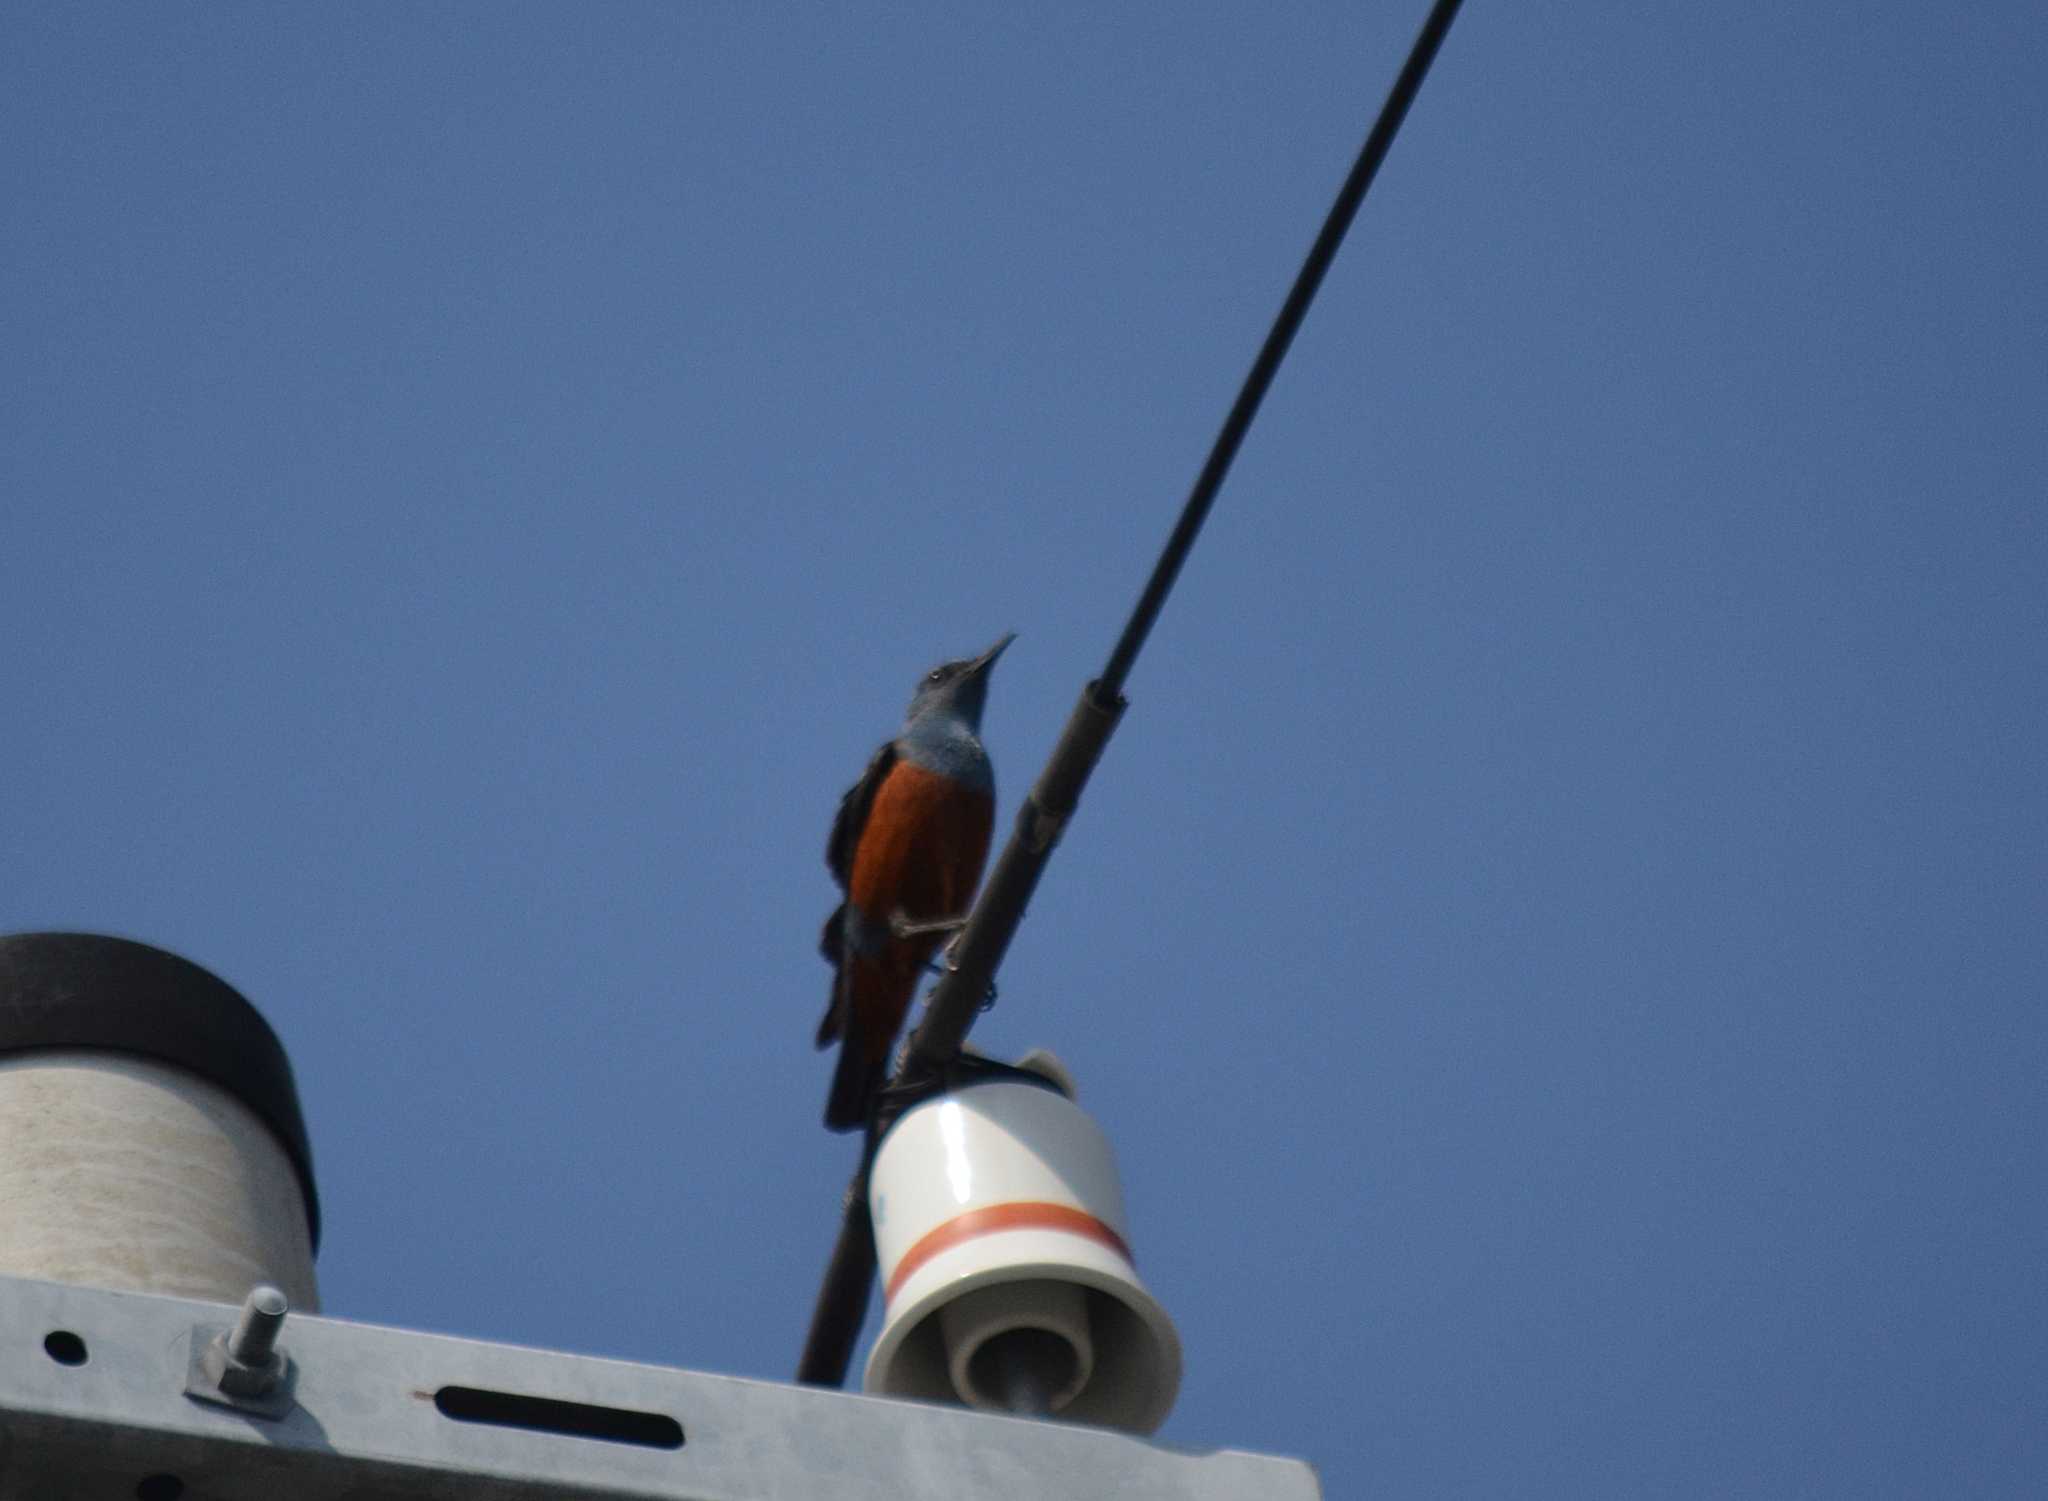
x=936, y=675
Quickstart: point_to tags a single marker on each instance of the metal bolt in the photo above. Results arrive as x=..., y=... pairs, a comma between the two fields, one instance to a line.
x=255, y=1335
x=246, y=1363
x=243, y=1367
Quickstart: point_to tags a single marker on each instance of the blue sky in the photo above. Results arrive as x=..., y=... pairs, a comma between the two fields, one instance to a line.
x=1558, y=941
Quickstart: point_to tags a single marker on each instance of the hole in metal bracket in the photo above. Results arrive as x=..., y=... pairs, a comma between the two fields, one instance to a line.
x=64, y=1347
x=616, y=1425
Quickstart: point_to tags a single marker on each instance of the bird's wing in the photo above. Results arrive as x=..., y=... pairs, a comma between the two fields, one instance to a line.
x=853, y=815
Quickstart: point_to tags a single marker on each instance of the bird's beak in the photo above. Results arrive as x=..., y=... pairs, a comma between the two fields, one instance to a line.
x=987, y=659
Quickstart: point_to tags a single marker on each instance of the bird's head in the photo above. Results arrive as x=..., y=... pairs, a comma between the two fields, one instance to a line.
x=958, y=688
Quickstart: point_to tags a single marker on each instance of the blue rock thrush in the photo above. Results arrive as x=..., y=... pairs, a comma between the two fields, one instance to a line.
x=907, y=849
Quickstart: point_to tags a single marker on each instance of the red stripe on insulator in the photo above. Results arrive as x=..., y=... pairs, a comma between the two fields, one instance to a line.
x=999, y=1217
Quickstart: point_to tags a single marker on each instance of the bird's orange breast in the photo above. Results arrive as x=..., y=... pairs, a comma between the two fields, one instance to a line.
x=922, y=848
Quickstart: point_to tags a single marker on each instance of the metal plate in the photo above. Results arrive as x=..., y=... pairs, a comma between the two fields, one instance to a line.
x=365, y=1426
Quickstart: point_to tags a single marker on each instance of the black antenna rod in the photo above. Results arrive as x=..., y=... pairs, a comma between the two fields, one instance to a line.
x=1267, y=365
x=842, y=1300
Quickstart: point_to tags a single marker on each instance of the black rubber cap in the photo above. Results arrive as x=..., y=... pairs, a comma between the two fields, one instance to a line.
x=82, y=990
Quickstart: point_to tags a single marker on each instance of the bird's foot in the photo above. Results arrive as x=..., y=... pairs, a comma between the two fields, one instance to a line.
x=951, y=963
x=901, y=926
x=946, y=963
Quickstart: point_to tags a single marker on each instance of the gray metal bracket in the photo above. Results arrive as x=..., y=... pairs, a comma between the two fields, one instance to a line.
x=94, y=1404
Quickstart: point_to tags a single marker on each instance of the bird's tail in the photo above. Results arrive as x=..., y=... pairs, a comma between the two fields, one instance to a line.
x=854, y=1085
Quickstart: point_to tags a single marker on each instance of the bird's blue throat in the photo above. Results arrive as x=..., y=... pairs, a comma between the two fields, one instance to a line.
x=944, y=741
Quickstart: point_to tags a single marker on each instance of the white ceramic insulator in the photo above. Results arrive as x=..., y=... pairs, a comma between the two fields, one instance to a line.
x=120, y=1172
x=981, y=1200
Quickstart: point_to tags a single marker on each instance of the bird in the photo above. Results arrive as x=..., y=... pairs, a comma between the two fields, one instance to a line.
x=907, y=849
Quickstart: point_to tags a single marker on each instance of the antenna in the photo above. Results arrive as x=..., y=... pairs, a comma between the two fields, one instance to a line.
x=849, y=1276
